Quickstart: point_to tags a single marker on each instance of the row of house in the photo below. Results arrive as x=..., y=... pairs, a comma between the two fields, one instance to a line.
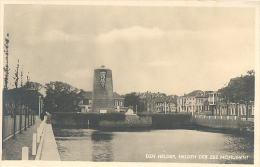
x=196, y=102
x=211, y=103
x=153, y=102
x=85, y=102
x=158, y=102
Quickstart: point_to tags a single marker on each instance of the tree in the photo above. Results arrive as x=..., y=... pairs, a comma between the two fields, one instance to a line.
x=33, y=86
x=240, y=89
x=60, y=97
x=6, y=68
x=6, y=71
x=132, y=99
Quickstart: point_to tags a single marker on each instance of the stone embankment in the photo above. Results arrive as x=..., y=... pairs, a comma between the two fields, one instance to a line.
x=130, y=121
x=224, y=122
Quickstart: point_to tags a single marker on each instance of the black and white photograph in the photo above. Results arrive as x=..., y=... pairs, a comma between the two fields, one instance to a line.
x=144, y=83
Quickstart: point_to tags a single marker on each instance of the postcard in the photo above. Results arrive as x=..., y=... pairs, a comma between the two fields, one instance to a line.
x=130, y=83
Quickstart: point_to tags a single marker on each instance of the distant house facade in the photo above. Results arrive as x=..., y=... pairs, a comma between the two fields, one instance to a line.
x=190, y=102
x=202, y=102
x=164, y=105
x=119, y=103
x=158, y=102
x=211, y=103
x=85, y=101
x=234, y=109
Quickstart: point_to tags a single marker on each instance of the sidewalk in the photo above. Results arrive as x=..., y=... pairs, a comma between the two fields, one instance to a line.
x=13, y=150
x=49, y=150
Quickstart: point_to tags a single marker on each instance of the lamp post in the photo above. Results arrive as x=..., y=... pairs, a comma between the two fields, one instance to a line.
x=247, y=113
x=39, y=106
x=165, y=107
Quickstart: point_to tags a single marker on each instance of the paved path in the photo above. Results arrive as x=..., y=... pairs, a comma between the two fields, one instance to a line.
x=13, y=149
x=49, y=149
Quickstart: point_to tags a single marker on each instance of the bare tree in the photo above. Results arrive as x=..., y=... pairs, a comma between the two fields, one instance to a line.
x=6, y=68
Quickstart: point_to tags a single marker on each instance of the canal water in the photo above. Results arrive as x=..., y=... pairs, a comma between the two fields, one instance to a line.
x=198, y=145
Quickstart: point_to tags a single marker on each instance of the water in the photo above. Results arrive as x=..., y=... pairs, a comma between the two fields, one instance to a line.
x=151, y=145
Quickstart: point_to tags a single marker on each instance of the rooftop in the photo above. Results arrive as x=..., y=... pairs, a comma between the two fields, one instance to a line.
x=117, y=96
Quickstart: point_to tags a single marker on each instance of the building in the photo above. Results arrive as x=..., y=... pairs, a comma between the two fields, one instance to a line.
x=85, y=100
x=187, y=103
x=202, y=103
x=119, y=102
x=158, y=102
x=198, y=102
x=164, y=105
x=211, y=103
x=234, y=109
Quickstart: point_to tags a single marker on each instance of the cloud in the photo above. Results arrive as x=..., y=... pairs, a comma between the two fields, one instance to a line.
x=83, y=73
x=159, y=63
x=130, y=34
x=57, y=35
x=53, y=36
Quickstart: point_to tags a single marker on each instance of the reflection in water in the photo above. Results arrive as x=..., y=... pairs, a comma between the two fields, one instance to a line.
x=137, y=145
x=101, y=146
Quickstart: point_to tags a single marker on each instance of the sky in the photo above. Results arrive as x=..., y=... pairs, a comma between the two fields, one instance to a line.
x=173, y=50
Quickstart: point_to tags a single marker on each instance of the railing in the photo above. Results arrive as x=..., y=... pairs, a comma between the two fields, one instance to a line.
x=218, y=117
x=9, y=125
x=40, y=137
x=224, y=117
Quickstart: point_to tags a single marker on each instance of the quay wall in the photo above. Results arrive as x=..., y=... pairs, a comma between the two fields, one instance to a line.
x=224, y=122
x=82, y=119
x=130, y=121
x=154, y=120
x=171, y=120
x=118, y=120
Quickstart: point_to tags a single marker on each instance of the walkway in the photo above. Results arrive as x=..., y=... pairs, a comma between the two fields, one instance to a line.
x=49, y=150
x=13, y=150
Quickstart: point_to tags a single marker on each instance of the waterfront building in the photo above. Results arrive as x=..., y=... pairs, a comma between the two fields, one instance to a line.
x=187, y=103
x=119, y=102
x=85, y=101
x=158, y=102
x=181, y=104
x=202, y=103
x=164, y=104
x=234, y=109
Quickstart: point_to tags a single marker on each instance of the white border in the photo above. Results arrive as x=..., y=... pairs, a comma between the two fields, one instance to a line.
x=253, y=4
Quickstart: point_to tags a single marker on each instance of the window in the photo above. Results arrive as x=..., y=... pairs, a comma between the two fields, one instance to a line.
x=116, y=102
x=253, y=110
x=120, y=103
x=243, y=110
